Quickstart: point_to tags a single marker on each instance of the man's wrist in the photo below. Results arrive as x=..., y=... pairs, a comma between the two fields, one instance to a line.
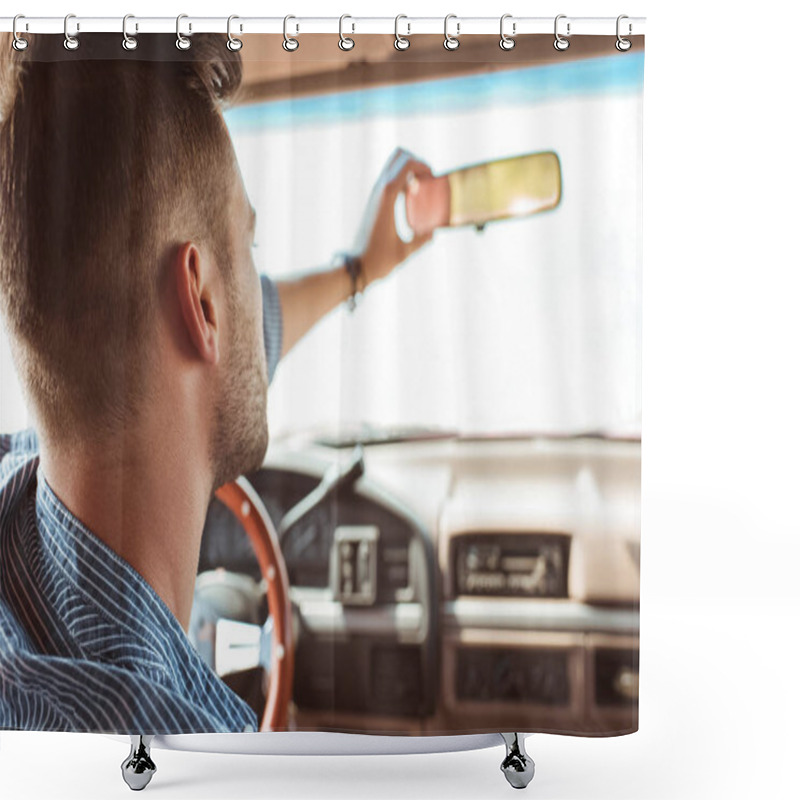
x=351, y=265
x=363, y=279
x=359, y=275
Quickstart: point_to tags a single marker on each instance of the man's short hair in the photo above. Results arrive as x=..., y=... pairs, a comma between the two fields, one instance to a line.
x=109, y=159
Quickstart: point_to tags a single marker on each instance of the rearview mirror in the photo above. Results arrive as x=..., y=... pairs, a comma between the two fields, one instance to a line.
x=479, y=194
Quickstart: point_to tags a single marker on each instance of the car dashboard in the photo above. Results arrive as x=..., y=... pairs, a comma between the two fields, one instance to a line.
x=450, y=583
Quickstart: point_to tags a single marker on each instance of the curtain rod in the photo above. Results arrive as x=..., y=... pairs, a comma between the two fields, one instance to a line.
x=297, y=25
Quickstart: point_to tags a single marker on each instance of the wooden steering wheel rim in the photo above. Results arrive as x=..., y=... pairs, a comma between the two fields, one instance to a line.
x=243, y=501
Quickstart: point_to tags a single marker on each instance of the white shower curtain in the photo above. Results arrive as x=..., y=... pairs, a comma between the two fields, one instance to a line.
x=427, y=523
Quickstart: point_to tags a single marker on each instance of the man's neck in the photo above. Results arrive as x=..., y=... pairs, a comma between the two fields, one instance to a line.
x=146, y=498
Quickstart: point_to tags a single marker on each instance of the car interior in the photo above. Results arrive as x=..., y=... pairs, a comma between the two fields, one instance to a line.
x=440, y=579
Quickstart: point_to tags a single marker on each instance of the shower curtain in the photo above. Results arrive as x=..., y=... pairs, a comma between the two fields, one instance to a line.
x=321, y=384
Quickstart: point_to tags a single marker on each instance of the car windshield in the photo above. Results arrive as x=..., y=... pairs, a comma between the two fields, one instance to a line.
x=529, y=326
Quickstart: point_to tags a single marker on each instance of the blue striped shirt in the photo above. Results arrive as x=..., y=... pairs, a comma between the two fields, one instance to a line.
x=86, y=644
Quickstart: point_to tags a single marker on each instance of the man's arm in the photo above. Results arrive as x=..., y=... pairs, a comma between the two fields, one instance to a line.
x=306, y=299
x=294, y=305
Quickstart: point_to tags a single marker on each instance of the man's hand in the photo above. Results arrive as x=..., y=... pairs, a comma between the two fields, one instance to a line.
x=307, y=298
x=377, y=242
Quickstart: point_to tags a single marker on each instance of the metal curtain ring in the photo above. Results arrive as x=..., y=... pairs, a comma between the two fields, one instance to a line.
x=451, y=42
x=560, y=42
x=234, y=44
x=401, y=43
x=506, y=42
x=70, y=42
x=345, y=42
x=289, y=42
x=19, y=43
x=623, y=44
x=128, y=42
x=182, y=43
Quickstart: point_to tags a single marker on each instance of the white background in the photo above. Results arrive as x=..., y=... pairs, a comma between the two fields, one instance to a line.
x=720, y=693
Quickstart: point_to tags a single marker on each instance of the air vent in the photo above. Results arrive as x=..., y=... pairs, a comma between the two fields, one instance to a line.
x=537, y=677
x=359, y=677
x=393, y=573
x=354, y=565
x=396, y=680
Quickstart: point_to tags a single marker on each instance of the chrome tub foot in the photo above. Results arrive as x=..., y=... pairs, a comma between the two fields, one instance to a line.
x=517, y=766
x=138, y=768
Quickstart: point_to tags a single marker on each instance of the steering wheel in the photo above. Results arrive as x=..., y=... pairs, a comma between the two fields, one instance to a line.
x=243, y=501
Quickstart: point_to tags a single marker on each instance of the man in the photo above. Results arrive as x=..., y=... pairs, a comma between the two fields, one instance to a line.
x=145, y=340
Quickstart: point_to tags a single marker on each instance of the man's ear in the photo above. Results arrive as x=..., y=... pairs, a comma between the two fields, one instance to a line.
x=197, y=302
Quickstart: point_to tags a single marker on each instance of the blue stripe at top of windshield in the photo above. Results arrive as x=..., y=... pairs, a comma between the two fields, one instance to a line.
x=607, y=74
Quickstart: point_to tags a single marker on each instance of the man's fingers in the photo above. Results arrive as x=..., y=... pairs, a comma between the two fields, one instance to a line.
x=412, y=167
x=418, y=241
x=416, y=167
